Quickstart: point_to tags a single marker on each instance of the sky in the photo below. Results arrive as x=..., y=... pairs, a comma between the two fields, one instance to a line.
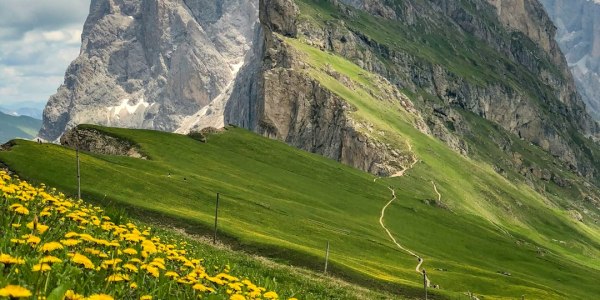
x=38, y=41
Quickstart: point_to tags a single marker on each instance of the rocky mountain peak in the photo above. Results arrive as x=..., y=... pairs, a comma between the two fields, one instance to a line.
x=152, y=64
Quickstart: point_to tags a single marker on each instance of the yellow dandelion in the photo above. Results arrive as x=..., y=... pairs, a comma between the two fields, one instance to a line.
x=9, y=260
x=130, y=267
x=20, y=209
x=158, y=264
x=71, y=234
x=135, y=260
x=41, y=228
x=82, y=260
x=172, y=274
x=15, y=225
x=271, y=295
x=200, y=287
x=32, y=239
x=111, y=262
x=41, y=267
x=235, y=286
x=130, y=251
x=51, y=246
x=237, y=297
x=133, y=285
x=216, y=280
x=14, y=291
x=71, y=295
x=50, y=259
x=100, y=297
x=146, y=297
x=117, y=278
x=153, y=271
x=70, y=242
x=149, y=246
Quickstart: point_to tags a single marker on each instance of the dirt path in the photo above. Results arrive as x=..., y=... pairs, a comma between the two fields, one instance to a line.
x=415, y=160
x=388, y=232
x=420, y=260
x=436, y=191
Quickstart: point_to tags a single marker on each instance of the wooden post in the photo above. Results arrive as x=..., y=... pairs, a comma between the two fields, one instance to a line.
x=216, y=219
x=326, y=258
x=78, y=167
x=425, y=283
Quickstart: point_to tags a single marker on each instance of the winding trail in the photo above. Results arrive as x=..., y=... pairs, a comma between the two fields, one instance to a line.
x=388, y=232
x=436, y=191
x=381, y=217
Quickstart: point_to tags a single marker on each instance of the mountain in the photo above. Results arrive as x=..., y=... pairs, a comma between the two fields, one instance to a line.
x=12, y=127
x=32, y=112
x=170, y=65
x=29, y=109
x=149, y=64
x=578, y=23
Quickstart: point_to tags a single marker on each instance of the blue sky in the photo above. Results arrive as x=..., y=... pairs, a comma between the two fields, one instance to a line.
x=38, y=40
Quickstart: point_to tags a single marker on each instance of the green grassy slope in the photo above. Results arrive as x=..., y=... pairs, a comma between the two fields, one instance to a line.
x=287, y=204
x=18, y=127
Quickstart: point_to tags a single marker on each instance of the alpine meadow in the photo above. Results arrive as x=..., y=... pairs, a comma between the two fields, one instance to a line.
x=313, y=149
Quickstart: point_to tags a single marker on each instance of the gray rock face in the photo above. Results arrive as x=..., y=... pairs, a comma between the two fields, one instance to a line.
x=150, y=64
x=578, y=23
x=274, y=97
x=91, y=140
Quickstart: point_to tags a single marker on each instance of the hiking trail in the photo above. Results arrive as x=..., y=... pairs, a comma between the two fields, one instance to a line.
x=382, y=215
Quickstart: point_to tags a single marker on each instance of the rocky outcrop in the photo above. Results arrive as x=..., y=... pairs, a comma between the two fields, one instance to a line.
x=578, y=23
x=150, y=64
x=95, y=141
x=282, y=16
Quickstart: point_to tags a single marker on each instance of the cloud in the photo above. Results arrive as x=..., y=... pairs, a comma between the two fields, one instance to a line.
x=38, y=40
x=18, y=17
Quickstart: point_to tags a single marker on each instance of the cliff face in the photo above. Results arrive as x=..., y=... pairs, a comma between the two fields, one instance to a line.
x=578, y=34
x=276, y=97
x=151, y=64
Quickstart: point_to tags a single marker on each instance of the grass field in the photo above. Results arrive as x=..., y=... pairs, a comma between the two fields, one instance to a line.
x=54, y=247
x=284, y=203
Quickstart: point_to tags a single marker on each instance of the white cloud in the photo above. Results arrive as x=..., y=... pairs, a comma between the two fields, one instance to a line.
x=69, y=36
x=38, y=40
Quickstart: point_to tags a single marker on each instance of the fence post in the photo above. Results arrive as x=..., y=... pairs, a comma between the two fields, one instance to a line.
x=326, y=257
x=216, y=219
x=78, y=167
x=425, y=283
